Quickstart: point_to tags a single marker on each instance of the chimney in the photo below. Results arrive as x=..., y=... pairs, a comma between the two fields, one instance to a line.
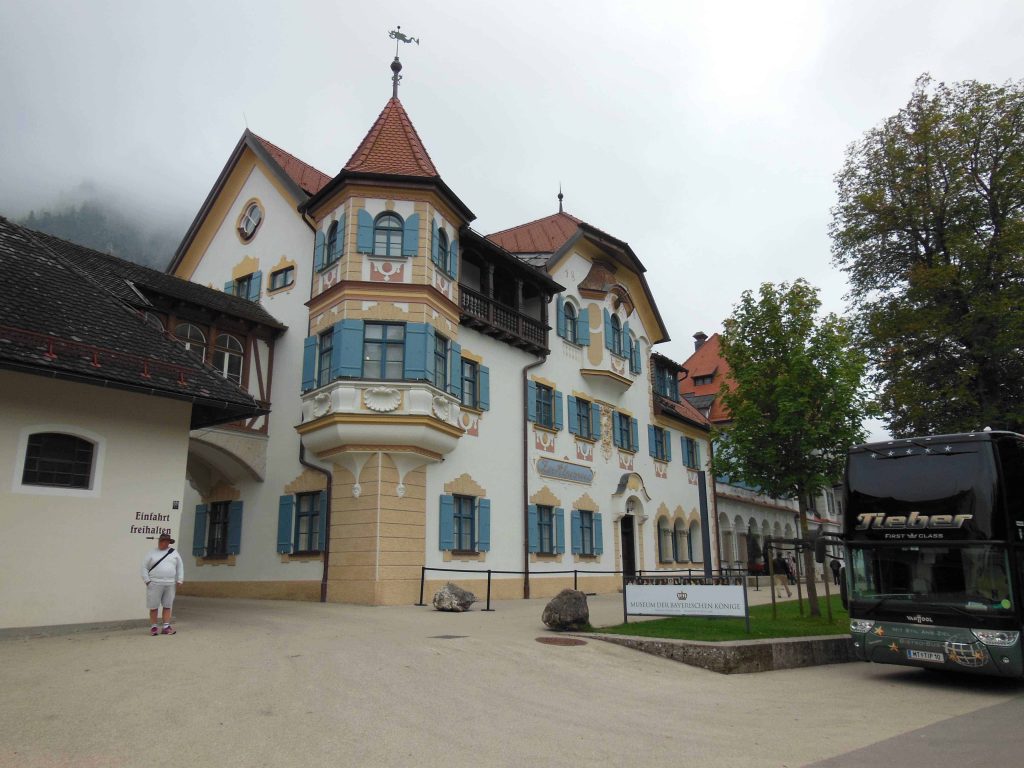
x=698, y=340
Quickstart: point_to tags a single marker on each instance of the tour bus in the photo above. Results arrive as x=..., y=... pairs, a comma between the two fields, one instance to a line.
x=934, y=531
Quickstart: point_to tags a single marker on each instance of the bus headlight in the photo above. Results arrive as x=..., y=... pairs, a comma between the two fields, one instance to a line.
x=1000, y=637
x=861, y=625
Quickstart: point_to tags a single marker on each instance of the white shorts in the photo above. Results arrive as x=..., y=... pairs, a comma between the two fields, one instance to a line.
x=158, y=595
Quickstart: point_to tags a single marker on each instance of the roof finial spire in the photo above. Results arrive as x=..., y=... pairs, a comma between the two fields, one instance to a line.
x=396, y=65
x=559, y=197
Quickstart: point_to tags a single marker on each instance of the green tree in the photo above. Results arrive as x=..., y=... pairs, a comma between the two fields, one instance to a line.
x=929, y=228
x=794, y=395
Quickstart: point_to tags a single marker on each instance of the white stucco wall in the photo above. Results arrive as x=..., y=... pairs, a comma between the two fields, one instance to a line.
x=70, y=557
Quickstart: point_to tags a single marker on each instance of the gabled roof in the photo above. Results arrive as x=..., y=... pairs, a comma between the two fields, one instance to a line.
x=707, y=361
x=113, y=274
x=392, y=147
x=300, y=179
x=681, y=410
x=554, y=235
x=56, y=320
x=308, y=178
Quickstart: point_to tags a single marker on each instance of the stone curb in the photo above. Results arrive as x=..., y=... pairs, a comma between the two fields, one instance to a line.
x=742, y=656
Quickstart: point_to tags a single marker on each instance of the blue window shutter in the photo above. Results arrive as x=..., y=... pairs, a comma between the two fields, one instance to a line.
x=483, y=395
x=453, y=258
x=434, y=244
x=583, y=328
x=199, y=531
x=533, y=530
x=234, y=527
x=255, y=286
x=364, y=232
x=617, y=431
x=347, y=357
x=483, y=527
x=696, y=454
x=634, y=435
x=417, y=351
x=598, y=535
x=531, y=401
x=558, y=408
x=668, y=445
x=595, y=421
x=686, y=449
x=627, y=341
x=577, y=532
x=560, y=316
x=558, y=521
x=447, y=538
x=318, y=251
x=285, y=517
x=229, y=287
x=652, y=440
x=607, y=330
x=308, y=363
x=411, y=236
x=322, y=532
x=455, y=369
x=574, y=418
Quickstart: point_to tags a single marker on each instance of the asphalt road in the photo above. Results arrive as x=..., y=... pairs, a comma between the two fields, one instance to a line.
x=266, y=683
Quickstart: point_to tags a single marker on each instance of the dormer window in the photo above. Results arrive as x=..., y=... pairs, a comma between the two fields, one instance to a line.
x=387, y=235
x=700, y=381
x=666, y=383
x=250, y=221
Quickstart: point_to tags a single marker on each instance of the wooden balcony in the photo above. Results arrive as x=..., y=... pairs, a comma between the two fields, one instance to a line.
x=502, y=321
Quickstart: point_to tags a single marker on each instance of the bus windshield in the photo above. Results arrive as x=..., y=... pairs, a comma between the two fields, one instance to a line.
x=964, y=578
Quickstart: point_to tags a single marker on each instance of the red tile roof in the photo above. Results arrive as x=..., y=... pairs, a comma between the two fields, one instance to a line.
x=708, y=361
x=392, y=146
x=309, y=179
x=545, y=235
x=684, y=409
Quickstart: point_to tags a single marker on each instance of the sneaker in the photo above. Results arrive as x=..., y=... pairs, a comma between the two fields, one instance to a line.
x=153, y=631
x=167, y=630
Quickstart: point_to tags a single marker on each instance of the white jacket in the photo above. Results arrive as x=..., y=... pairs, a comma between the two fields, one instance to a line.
x=170, y=570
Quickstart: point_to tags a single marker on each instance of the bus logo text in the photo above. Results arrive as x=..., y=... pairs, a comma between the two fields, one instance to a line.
x=912, y=522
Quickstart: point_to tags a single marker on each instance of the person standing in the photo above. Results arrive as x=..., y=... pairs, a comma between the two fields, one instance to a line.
x=162, y=570
x=835, y=566
x=781, y=575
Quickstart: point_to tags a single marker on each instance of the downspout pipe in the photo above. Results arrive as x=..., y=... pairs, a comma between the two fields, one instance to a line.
x=714, y=503
x=526, y=474
x=327, y=520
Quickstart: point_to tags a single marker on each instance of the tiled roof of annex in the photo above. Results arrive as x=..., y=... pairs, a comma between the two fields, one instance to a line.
x=392, y=146
x=545, y=235
x=309, y=179
x=707, y=361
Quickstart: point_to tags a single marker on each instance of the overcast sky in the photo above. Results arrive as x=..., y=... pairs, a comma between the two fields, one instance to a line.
x=706, y=134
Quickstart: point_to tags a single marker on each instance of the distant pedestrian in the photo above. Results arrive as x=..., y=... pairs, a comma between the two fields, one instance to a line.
x=791, y=564
x=781, y=575
x=162, y=569
x=835, y=566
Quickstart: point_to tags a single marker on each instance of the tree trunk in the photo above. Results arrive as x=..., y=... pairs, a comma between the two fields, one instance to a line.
x=809, y=569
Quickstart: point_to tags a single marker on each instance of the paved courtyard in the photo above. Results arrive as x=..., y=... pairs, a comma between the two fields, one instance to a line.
x=266, y=683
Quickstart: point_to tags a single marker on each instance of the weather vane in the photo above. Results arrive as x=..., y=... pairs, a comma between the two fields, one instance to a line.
x=396, y=66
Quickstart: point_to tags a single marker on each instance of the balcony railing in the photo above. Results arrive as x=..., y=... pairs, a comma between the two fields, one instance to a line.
x=500, y=320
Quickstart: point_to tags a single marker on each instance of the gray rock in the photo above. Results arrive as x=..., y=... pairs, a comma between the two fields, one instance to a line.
x=567, y=610
x=453, y=598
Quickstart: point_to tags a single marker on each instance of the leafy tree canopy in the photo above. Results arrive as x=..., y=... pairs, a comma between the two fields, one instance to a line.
x=929, y=228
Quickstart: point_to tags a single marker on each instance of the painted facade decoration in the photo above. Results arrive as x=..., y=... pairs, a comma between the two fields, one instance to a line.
x=459, y=398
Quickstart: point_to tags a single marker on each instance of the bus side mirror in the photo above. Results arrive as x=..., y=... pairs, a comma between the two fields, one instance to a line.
x=819, y=549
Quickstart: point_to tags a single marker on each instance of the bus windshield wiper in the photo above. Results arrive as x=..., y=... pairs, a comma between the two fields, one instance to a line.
x=884, y=599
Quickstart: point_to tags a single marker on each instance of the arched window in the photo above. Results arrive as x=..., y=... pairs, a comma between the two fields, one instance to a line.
x=58, y=460
x=333, y=252
x=664, y=541
x=696, y=543
x=569, y=311
x=250, y=221
x=227, y=357
x=193, y=338
x=680, y=553
x=387, y=235
x=442, y=250
x=616, y=335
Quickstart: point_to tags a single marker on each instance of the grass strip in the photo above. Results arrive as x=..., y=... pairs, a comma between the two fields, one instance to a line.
x=788, y=624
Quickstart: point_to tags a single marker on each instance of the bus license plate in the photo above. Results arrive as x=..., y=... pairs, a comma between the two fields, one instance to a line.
x=925, y=656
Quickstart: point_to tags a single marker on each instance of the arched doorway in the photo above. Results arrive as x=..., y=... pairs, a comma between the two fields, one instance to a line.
x=628, y=535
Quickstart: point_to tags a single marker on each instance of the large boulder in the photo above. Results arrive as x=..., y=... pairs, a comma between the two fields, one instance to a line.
x=453, y=598
x=567, y=610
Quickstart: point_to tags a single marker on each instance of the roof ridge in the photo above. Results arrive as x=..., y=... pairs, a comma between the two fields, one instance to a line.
x=288, y=156
x=535, y=221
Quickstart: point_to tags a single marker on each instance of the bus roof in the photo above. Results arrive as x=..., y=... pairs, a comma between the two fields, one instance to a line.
x=962, y=437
